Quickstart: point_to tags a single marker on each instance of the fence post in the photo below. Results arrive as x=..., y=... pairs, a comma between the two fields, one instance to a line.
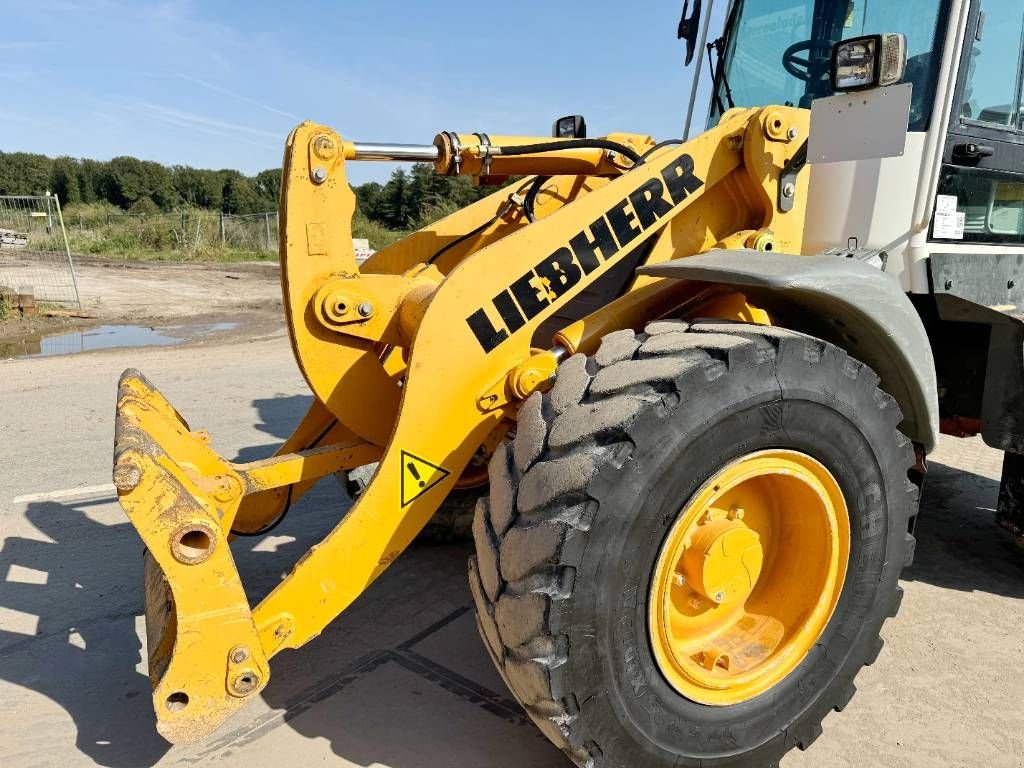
x=222, y=227
x=49, y=215
x=67, y=250
x=266, y=222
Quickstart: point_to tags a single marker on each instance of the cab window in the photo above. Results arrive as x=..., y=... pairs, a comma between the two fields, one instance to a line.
x=992, y=92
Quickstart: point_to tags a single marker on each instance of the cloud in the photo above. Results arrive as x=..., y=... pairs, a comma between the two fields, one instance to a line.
x=233, y=95
x=190, y=121
x=202, y=121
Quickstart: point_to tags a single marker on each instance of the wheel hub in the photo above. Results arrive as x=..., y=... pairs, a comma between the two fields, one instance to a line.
x=723, y=560
x=748, y=577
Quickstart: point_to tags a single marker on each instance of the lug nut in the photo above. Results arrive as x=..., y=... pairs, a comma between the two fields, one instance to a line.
x=719, y=597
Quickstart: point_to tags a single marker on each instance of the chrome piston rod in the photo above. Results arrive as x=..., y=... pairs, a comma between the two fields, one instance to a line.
x=405, y=153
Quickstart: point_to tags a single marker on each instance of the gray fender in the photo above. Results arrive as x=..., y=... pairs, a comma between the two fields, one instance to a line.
x=843, y=301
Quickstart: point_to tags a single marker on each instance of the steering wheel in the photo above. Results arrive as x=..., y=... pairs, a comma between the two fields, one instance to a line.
x=812, y=67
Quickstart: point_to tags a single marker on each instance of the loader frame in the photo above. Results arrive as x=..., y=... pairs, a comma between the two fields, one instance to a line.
x=419, y=361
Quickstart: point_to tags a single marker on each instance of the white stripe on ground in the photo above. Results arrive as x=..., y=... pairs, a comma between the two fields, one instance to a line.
x=68, y=493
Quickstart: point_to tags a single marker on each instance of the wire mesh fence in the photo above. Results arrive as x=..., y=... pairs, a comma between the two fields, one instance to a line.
x=35, y=260
x=186, y=235
x=254, y=231
x=182, y=235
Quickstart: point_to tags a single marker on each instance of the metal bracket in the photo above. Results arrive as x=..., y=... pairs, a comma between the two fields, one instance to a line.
x=787, y=180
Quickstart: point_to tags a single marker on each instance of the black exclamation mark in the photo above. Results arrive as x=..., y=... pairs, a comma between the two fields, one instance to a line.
x=412, y=469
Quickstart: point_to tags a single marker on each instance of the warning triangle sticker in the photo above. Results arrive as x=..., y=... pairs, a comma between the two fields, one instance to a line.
x=418, y=477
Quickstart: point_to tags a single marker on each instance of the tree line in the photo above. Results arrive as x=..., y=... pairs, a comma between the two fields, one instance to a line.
x=139, y=186
x=408, y=199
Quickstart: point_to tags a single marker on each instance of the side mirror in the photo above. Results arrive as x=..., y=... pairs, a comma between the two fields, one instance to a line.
x=688, y=28
x=570, y=127
x=873, y=61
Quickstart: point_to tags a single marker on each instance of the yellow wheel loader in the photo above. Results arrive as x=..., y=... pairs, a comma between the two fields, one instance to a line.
x=703, y=377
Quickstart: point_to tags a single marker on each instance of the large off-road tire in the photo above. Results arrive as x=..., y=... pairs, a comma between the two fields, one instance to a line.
x=584, y=496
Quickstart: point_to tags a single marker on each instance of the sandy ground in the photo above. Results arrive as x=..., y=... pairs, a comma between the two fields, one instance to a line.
x=159, y=294
x=165, y=290
x=401, y=679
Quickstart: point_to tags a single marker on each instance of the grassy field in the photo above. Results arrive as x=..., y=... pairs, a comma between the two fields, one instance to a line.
x=192, y=235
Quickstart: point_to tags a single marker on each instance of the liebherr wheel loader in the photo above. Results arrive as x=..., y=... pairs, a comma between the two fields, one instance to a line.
x=704, y=377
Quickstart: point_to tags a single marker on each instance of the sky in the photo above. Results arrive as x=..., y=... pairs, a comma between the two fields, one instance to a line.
x=220, y=84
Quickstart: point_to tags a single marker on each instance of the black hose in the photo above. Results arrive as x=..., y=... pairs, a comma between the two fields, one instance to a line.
x=656, y=147
x=463, y=239
x=530, y=200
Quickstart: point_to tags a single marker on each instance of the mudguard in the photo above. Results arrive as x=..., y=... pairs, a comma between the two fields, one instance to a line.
x=843, y=301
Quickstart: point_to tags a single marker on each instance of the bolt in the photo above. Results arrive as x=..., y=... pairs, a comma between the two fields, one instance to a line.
x=792, y=133
x=365, y=309
x=319, y=175
x=736, y=513
x=719, y=597
x=788, y=191
x=679, y=579
x=239, y=654
x=127, y=477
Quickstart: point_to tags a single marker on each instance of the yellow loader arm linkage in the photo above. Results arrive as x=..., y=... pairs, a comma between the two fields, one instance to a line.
x=416, y=365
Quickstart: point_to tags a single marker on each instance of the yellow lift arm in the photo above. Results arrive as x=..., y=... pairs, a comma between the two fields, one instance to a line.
x=418, y=361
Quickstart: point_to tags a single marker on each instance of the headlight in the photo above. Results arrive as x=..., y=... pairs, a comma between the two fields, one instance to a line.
x=869, y=62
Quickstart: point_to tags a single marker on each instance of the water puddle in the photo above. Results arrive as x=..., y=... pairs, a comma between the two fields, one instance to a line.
x=107, y=337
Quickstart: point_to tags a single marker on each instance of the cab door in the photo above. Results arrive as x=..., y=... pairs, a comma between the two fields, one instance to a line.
x=976, y=259
x=981, y=188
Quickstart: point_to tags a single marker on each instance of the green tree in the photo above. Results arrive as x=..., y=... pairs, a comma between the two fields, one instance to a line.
x=267, y=185
x=65, y=180
x=23, y=173
x=239, y=195
x=395, y=201
x=126, y=179
x=198, y=188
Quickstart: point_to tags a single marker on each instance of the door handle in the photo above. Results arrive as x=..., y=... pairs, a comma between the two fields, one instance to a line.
x=970, y=153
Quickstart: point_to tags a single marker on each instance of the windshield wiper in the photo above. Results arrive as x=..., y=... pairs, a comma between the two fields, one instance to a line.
x=718, y=76
x=719, y=72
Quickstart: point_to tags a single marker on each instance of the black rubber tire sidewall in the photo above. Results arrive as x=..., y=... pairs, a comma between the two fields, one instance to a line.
x=608, y=623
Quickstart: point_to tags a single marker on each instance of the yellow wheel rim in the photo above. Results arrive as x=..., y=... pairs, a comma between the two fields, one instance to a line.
x=748, y=577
